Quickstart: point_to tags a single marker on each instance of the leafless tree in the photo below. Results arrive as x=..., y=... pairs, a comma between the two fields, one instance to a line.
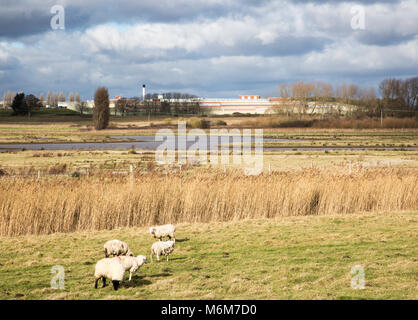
x=284, y=90
x=61, y=97
x=54, y=99
x=81, y=107
x=352, y=91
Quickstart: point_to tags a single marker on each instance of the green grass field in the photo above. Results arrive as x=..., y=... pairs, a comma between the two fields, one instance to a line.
x=288, y=258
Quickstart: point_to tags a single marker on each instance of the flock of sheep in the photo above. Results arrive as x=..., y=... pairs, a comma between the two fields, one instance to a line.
x=114, y=268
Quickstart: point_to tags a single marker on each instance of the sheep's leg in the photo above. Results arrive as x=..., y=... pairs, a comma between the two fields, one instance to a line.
x=167, y=257
x=104, y=282
x=158, y=257
x=106, y=254
x=130, y=276
x=95, y=283
x=115, y=284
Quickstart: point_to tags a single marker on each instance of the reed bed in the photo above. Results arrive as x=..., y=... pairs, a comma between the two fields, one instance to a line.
x=277, y=121
x=49, y=205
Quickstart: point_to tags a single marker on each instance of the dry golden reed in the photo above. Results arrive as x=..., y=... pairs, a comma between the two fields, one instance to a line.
x=30, y=206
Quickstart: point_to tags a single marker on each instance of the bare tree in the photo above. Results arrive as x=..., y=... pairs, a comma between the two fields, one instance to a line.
x=284, y=90
x=54, y=99
x=352, y=91
x=411, y=92
x=81, y=107
x=61, y=97
x=77, y=97
x=71, y=97
x=48, y=98
x=342, y=92
x=121, y=106
x=8, y=99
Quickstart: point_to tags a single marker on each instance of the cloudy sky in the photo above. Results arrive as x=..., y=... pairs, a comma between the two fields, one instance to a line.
x=211, y=48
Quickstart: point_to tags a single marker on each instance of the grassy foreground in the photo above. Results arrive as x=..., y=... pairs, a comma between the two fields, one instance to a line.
x=306, y=257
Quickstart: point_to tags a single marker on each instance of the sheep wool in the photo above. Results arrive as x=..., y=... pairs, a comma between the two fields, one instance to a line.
x=116, y=248
x=132, y=264
x=167, y=230
x=109, y=268
x=162, y=248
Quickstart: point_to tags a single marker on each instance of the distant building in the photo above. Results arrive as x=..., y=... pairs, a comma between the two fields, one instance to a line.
x=244, y=104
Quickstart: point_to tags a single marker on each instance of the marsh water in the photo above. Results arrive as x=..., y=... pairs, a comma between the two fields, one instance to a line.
x=174, y=143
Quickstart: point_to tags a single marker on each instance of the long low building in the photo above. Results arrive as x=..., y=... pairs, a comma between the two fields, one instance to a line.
x=244, y=104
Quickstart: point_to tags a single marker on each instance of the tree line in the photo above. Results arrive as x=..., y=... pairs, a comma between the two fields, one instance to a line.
x=50, y=99
x=397, y=97
x=159, y=103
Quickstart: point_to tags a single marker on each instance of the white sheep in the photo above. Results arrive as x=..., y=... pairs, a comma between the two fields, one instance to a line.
x=162, y=248
x=117, y=248
x=110, y=268
x=132, y=263
x=166, y=230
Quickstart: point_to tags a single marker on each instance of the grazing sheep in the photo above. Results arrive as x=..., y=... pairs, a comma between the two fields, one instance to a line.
x=117, y=248
x=110, y=268
x=162, y=248
x=132, y=263
x=166, y=230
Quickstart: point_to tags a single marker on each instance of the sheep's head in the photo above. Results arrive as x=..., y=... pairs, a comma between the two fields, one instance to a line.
x=152, y=230
x=130, y=253
x=141, y=260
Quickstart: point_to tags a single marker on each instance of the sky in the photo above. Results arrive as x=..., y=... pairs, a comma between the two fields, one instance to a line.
x=210, y=48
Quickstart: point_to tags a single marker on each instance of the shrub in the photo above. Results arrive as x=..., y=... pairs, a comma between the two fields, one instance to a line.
x=219, y=123
x=198, y=123
x=57, y=169
x=75, y=174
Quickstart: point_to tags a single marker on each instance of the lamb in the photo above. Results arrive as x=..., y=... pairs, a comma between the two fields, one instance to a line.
x=117, y=248
x=166, y=230
x=132, y=263
x=162, y=248
x=110, y=268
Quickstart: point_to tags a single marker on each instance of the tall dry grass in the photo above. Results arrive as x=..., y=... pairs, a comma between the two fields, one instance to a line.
x=29, y=206
x=275, y=121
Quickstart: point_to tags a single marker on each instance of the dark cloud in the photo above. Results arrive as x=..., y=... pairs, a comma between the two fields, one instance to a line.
x=23, y=17
x=23, y=23
x=383, y=39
